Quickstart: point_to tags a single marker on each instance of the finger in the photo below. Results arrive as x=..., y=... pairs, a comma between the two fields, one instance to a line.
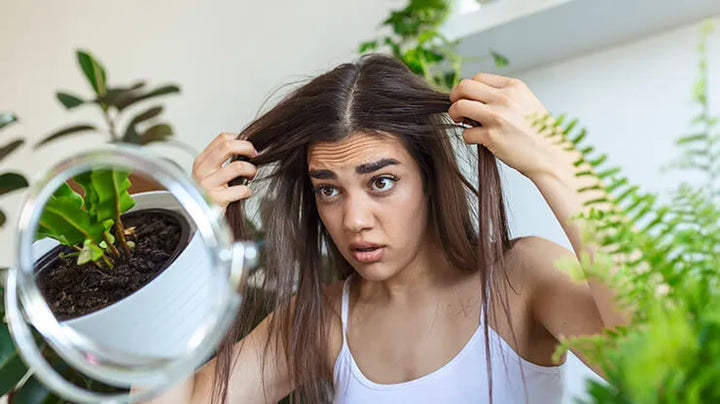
x=220, y=151
x=475, y=110
x=476, y=136
x=225, y=196
x=494, y=80
x=213, y=143
x=477, y=91
x=224, y=175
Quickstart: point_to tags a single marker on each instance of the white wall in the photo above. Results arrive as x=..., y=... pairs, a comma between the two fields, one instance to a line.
x=229, y=55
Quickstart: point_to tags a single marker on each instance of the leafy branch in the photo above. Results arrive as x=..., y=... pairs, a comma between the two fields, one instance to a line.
x=112, y=103
x=417, y=41
x=664, y=259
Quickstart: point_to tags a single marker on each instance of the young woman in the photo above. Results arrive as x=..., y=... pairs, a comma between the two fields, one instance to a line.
x=423, y=297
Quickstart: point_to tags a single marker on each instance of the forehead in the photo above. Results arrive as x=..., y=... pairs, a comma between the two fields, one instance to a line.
x=356, y=149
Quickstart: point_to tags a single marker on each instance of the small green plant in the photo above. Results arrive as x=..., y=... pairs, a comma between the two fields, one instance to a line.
x=113, y=103
x=417, y=41
x=663, y=261
x=85, y=223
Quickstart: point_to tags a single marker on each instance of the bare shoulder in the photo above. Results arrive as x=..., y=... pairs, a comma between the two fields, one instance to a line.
x=531, y=261
x=534, y=251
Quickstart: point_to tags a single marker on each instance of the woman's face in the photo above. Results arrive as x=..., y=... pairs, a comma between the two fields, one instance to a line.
x=370, y=197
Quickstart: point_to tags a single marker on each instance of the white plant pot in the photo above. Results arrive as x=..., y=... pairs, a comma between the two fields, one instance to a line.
x=160, y=319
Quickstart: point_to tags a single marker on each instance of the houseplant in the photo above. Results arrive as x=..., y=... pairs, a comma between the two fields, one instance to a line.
x=416, y=39
x=118, y=104
x=663, y=257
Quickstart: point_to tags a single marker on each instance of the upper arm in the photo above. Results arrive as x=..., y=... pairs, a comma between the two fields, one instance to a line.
x=256, y=376
x=247, y=376
x=565, y=308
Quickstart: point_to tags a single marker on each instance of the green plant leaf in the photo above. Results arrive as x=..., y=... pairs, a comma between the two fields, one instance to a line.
x=65, y=132
x=500, y=60
x=64, y=219
x=11, y=182
x=368, y=46
x=89, y=252
x=90, y=198
x=10, y=147
x=113, y=199
x=164, y=90
x=7, y=118
x=156, y=133
x=94, y=72
x=148, y=114
x=131, y=135
x=12, y=368
x=68, y=100
x=120, y=95
x=35, y=392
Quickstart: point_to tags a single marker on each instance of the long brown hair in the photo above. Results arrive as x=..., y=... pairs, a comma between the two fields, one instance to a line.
x=375, y=95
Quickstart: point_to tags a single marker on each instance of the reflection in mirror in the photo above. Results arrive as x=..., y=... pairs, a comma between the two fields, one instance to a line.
x=127, y=271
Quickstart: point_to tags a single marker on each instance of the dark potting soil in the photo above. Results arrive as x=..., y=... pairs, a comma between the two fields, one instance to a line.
x=73, y=291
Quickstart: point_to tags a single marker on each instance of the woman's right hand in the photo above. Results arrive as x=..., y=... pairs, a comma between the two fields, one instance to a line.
x=213, y=177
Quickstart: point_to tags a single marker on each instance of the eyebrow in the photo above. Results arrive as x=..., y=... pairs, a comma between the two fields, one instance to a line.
x=361, y=169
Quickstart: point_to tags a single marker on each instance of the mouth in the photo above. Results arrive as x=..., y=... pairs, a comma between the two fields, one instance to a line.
x=367, y=252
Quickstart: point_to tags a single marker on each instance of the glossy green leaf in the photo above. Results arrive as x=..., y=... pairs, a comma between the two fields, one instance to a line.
x=72, y=130
x=120, y=95
x=89, y=252
x=164, y=90
x=64, y=219
x=156, y=133
x=113, y=197
x=10, y=147
x=147, y=114
x=90, y=198
x=10, y=182
x=68, y=100
x=94, y=72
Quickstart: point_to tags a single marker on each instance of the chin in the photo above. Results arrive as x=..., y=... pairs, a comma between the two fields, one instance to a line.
x=376, y=272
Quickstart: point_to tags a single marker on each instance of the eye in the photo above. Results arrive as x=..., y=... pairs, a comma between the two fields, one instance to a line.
x=383, y=184
x=325, y=192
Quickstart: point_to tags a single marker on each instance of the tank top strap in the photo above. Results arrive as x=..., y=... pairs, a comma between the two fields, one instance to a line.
x=345, y=305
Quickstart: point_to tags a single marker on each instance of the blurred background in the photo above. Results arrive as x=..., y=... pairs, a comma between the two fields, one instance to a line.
x=626, y=69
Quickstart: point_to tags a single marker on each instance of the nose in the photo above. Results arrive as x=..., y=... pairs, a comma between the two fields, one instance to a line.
x=357, y=214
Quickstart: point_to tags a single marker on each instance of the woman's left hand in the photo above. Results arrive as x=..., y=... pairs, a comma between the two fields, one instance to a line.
x=506, y=108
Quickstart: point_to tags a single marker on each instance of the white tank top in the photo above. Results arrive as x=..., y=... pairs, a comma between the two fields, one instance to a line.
x=462, y=380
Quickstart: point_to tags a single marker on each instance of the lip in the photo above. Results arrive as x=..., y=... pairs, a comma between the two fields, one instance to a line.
x=367, y=257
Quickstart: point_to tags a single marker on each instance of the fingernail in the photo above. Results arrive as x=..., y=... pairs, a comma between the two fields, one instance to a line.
x=256, y=153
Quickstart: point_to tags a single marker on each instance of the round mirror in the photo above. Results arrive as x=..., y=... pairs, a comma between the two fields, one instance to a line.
x=126, y=276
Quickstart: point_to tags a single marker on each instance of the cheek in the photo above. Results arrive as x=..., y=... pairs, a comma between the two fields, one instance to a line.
x=405, y=217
